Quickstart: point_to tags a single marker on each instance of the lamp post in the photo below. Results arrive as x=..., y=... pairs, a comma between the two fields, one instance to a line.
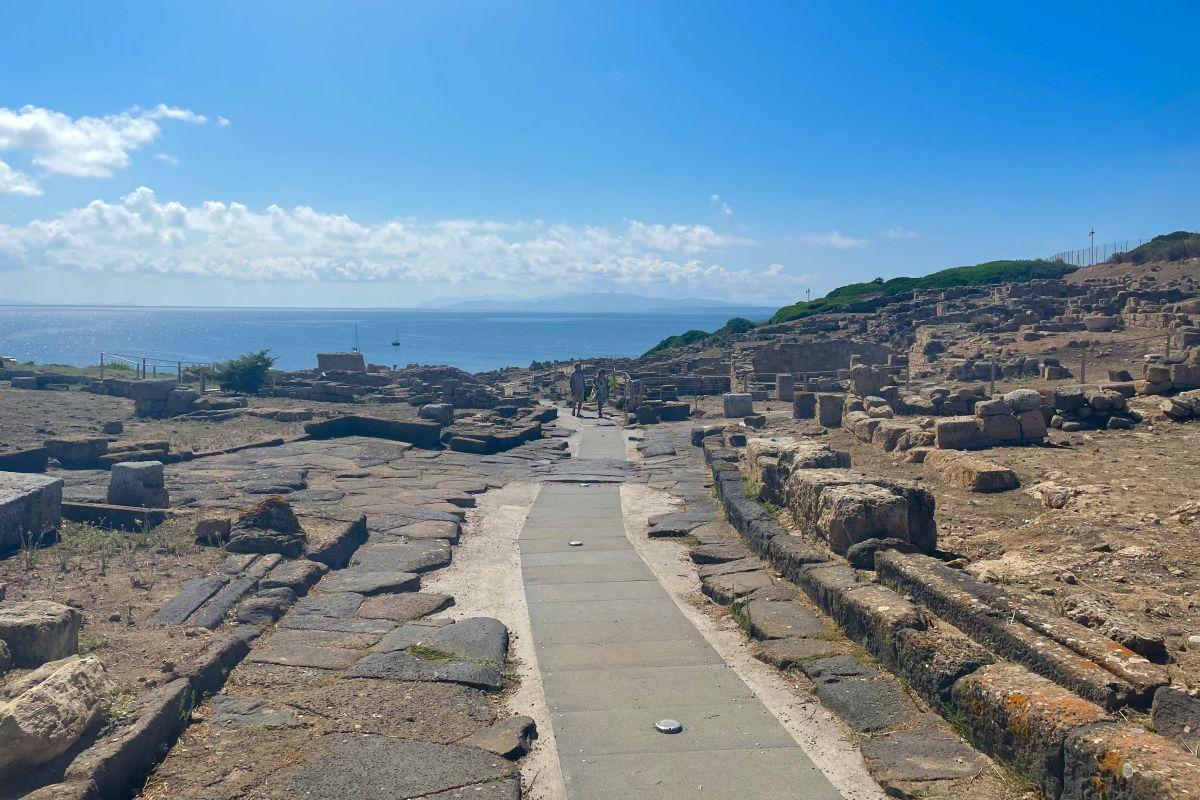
x=1092, y=246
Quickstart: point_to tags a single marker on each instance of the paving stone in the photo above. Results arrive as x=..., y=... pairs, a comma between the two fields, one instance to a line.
x=368, y=583
x=867, y=706
x=299, y=575
x=229, y=711
x=906, y=762
x=192, y=594
x=791, y=653
x=730, y=567
x=836, y=668
x=719, y=553
x=405, y=606
x=724, y=589
x=511, y=738
x=479, y=639
x=333, y=612
x=212, y=614
x=385, y=768
x=677, y=523
x=401, y=666
x=417, y=556
x=772, y=619
x=431, y=529
x=261, y=610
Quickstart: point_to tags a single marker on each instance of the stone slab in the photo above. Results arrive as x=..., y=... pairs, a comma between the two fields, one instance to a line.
x=385, y=768
x=192, y=594
x=401, y=666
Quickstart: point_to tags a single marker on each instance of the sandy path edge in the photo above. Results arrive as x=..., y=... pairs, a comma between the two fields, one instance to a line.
x=485, y=580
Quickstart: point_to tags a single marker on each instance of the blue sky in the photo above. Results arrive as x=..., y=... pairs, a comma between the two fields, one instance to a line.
x=362, y=153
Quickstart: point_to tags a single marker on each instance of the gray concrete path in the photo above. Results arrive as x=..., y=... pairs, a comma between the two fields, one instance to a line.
x=616, y=655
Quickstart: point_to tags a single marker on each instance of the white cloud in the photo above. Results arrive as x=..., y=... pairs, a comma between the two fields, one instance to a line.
x=141, y=234
x=222, y=122
x=716, y=201
x=85, y=147
x=167, y=158
x=14, y=182
x=900, y=232
x=833, y=239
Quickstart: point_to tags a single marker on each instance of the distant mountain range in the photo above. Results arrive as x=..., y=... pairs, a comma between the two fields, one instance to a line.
x=586, y=302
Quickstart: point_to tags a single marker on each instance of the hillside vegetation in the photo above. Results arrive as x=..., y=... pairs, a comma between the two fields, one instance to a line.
x=869, y=296
x=735, y=325
x=1169, y=247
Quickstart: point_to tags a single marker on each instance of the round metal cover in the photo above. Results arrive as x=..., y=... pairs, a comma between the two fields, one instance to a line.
x=668, y=726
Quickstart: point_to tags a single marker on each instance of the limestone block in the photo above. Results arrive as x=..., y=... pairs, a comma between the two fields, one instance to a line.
x=1032, y=425
x=785, y=387
x=1002, y=428
x=1125, y=762
x=341, y=362
x=1023, y=400
x=438, y=412
x=738, y=405
x=829, y=410
x=804, y=405
x=138, y=483
x=972, y=474
x=38, y=631
x=46, y=711
x=30, y=505
x=847, y=515
x=960, y=433
x=1185, y=376
x=1022, y=719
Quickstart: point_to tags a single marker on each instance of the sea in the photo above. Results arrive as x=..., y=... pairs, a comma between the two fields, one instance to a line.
x=475, y=341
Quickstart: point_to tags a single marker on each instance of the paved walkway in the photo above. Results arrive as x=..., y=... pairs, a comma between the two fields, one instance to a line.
x=616, y=655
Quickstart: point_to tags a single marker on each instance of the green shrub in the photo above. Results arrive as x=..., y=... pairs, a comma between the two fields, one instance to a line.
x=733, y=326
x=1175, y=246
x=246, y=374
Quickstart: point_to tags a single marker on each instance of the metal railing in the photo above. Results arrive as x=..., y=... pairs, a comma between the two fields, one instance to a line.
x=151, y=367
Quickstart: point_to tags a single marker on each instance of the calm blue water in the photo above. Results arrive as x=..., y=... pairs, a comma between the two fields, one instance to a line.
x=474, y=341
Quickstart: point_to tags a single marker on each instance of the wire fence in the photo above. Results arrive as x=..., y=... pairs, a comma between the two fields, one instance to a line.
x=1097, y=253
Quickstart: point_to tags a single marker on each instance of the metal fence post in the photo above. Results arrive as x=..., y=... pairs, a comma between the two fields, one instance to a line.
x=992, y=386
x=1083, y=366
x=1168, y=357
x=102, y=366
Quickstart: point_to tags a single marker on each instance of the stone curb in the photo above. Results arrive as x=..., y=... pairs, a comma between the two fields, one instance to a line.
x=1063, y=743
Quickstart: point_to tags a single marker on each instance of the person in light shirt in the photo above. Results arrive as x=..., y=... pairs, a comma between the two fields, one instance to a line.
x=601, y=391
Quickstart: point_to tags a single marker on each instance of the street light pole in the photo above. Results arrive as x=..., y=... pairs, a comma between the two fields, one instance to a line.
x=1092, y=246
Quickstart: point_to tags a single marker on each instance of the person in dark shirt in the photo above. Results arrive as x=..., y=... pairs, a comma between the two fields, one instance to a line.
x=578, y=390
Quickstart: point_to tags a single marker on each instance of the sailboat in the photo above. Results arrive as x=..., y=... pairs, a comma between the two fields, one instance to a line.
x=396, y=339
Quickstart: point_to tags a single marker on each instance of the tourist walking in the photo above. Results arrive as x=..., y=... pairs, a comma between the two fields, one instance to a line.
x=601, y=392
x=578, y=390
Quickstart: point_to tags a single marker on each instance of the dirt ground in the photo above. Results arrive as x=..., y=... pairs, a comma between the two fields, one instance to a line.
x=27, y=418
x=117, y=579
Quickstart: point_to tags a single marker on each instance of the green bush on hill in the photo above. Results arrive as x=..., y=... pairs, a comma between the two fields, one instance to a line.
x=247, y=374
x=869, y=296
x=1169, y=247
x=733, y=326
